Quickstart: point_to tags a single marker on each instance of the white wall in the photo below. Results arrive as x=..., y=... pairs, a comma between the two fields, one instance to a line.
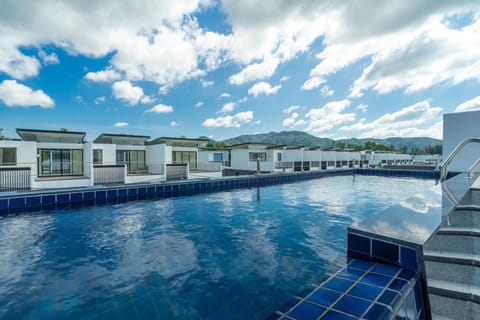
x=457, y=127
x=240, y=160
x=109, y=153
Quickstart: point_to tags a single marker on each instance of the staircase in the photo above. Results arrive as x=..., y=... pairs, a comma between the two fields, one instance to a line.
x=452, y=262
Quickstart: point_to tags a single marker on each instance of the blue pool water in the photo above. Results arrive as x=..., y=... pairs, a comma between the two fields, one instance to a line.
x=240, y=254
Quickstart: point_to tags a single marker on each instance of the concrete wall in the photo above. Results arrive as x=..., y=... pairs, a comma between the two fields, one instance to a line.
x=240, y=160
x=457, y=127
x=108, y=153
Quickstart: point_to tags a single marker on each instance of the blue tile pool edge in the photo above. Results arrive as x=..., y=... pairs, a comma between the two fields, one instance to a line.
x=97, y=195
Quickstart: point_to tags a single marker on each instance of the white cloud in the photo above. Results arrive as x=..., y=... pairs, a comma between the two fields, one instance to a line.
x=121, y=124
x=199, y=104
x=108, y=75
x=14, y=94
x=224, y=95
x=228, y=107
x=161, y=108
x=290, y=120
x=255, y=71
x=312, y=83
x=174, y=124
x=326, y=91
x=206, y=83
x=327, y=117
x=100, y=100
x=124, y=90
x=79, y=99
x=235, y=121
x=263, y=88
x=284, y=78
x=362, y=107
x=411, y=121
x=291, y=109
x=470, y=105
x=47, y=59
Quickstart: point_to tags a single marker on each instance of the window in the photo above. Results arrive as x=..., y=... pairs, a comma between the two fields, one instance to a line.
x=134, y=159
x=60, y=162
x=253, y=156
x=97, y=156
x=8, y=156
x=189, y=157
x=279, y=157
x=218, y=157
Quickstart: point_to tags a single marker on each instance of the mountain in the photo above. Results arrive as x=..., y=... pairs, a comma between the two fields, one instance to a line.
x=308, y=140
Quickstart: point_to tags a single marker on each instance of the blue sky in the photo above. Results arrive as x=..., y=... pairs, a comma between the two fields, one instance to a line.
x=224, y=68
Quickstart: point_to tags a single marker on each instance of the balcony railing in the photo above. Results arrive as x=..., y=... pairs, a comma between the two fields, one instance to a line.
x=15, y=178
x=108, y=174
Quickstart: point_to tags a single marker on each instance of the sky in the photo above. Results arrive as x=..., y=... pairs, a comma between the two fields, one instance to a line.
x=337, y=69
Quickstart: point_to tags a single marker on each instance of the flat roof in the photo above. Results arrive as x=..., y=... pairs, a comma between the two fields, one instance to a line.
x=107, y=138
x=180, y=139
x=51, y=135
x=251, y=143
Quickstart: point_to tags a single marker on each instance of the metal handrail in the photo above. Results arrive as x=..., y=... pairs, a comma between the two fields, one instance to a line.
x=453, y=154
x=472, y=168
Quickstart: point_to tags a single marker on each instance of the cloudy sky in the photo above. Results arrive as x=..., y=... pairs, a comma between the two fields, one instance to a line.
x=366, y=68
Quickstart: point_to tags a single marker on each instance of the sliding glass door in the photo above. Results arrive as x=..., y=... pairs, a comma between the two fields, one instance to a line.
x=60, y=162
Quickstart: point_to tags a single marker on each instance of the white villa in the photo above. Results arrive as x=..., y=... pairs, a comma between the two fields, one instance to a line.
x=45, y=159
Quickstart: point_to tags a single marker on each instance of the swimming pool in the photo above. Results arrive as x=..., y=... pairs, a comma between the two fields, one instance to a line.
x=239, y=254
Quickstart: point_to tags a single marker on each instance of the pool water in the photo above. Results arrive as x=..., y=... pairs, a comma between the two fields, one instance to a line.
x=240, y=254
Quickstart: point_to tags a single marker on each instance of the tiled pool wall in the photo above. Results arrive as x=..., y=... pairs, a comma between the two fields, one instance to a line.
x=13, y=202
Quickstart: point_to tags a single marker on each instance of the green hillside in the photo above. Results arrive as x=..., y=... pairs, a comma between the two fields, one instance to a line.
x=417, y=145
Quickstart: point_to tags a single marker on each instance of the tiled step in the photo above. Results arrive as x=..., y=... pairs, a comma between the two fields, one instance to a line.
x=454, y=290
x=457, y=273
x=459, y=231
x=454, y=243
x=464, y=218
x=445, y=308
x=472, y=197
x=452, y=257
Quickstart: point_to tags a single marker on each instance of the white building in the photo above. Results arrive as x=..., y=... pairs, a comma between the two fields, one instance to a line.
x=457, y=127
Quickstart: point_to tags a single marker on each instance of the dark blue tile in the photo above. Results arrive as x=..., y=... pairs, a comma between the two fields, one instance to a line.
x=407, y=275
x=341, y=285
x=159, y=191
x=352, y=305
x=33, y=203
x=324, y=297
x=112, y=195
x=361, y=264
x=3, y=206
x=151, y=190
x=122, y=194
x=358, y=243
x=306, y=311
x=63, y=200
x=76, y=197
x=351, y=273
x=385, y=269
x=378, y=312
x=408, y=258
x=365, y=291
x=376, y=279
x=399, y=285
x=48, y=202
x=418, y=296
x=100, y=195
x=389, y=297
x=357, y=256
x=334, y=315
x=16, y=204
x=142, y=193
x=88, y=196
x=132, y=193
x=385, y=251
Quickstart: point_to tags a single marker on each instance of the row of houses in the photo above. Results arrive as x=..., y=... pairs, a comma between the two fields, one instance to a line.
x=44, y=159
